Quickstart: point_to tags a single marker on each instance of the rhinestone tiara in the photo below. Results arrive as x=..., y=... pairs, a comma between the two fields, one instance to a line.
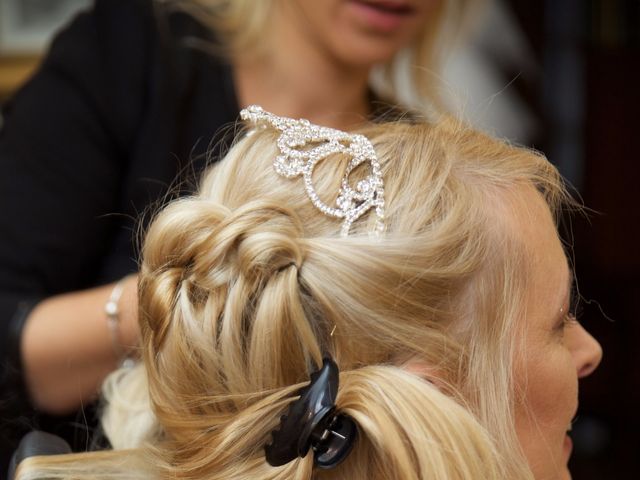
x=303, y=145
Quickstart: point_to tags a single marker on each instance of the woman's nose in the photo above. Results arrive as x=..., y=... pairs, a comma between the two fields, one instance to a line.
x=586, y=350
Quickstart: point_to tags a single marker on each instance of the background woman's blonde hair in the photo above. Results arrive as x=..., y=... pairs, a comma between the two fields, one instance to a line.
x=244, y=285
x=241, y=26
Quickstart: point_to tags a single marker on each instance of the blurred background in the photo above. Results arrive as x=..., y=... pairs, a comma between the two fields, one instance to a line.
x=561, y=76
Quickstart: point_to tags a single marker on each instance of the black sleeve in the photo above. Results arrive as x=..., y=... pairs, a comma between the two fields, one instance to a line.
x=64, y=146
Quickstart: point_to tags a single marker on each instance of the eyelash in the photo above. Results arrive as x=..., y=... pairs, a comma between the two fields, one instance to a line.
x=568, y=319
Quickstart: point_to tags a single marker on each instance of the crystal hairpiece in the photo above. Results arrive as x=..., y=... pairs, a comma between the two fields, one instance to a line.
x=303, y=145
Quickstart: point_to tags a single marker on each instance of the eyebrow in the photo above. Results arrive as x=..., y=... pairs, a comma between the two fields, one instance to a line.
x=566, y=298
x=570, y=282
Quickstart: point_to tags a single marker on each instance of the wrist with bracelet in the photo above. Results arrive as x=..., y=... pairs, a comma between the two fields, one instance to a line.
x=112, y=311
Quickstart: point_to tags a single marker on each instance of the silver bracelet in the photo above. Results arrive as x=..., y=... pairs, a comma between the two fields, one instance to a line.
x=112, y=310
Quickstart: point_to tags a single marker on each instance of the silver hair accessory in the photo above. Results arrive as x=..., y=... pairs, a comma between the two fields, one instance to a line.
x=303, y=145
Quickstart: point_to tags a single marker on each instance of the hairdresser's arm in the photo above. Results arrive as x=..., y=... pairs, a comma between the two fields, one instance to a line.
x=67, y=348
x=65, y=145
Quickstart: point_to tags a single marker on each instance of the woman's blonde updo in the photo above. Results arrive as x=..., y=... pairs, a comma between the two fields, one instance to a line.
x=244, y=286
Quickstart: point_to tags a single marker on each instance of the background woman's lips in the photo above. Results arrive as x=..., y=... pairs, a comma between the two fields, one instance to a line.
x=384, y=16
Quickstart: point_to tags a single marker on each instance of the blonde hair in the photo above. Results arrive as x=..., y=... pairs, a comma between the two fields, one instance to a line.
x=244, y=285
x=240, y=26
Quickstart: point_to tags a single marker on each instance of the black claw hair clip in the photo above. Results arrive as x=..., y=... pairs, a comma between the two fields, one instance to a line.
x=313, y=422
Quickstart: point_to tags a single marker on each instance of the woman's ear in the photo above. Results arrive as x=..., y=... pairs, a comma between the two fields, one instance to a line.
x=421, y=368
